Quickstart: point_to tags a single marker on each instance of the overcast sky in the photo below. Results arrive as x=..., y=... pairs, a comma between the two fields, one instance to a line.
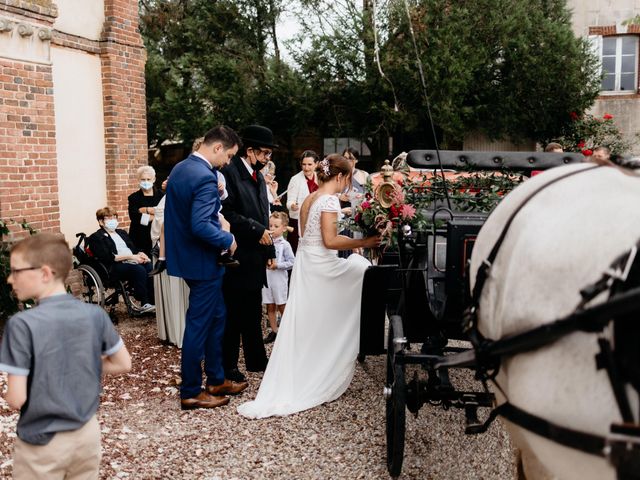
x=286, y=29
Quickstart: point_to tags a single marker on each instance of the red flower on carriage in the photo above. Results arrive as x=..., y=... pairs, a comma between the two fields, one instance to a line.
x=587, y=153
x=608, y=116
x=581, y=144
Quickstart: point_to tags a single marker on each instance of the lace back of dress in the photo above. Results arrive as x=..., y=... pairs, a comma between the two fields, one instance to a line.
x=312, y=234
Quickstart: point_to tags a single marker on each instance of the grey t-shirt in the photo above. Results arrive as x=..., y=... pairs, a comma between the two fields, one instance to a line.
x=58, y=345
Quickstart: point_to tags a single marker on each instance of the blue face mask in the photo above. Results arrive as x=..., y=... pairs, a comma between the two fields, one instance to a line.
x=111, y=224
x=146, y=185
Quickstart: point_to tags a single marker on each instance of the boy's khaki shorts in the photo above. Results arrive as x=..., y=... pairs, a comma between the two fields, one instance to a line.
x=69, y=455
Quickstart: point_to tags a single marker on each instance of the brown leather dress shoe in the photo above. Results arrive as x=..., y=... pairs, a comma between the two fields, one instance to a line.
x=203, y=400
x=228, y=387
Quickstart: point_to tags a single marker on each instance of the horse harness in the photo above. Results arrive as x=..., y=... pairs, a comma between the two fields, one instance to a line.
x=622, y=363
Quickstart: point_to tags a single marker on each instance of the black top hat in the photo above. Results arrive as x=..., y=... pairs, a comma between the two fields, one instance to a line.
x=259, y=136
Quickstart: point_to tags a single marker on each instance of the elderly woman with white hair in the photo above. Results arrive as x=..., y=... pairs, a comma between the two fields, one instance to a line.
x=142, y=205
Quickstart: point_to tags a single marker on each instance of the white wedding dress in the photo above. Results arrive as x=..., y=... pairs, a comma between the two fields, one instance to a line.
x=313, y=358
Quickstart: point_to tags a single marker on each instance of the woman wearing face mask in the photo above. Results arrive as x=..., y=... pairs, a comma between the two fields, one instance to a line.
x=142, y=205
x=115, y=250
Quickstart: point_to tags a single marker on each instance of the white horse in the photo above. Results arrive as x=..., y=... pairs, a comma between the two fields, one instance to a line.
x=562, y=240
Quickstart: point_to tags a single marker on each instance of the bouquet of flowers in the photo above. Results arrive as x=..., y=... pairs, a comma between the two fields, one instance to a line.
x=385, y=211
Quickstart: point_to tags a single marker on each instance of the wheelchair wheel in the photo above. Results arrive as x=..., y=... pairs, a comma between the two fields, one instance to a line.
x=92, y=290
x=395, y=410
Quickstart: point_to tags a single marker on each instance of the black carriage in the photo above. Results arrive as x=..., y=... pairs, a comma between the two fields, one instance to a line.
x=418, y=294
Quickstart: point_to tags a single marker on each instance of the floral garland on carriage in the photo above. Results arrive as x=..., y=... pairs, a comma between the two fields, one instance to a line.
x=399, y=207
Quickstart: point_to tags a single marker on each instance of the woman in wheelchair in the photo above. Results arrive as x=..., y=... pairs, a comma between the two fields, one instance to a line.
x=113, y=248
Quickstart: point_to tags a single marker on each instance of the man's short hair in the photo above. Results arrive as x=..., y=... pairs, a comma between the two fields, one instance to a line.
x=223, y=134
x=552, y=146
x=105, y=212
x=49, y=249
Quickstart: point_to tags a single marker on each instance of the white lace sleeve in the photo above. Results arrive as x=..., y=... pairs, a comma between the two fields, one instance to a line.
x=330, y=204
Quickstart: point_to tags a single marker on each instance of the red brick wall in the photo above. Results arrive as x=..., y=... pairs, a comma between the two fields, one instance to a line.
x=28, y=172
x=603, y=30
x=123, y=58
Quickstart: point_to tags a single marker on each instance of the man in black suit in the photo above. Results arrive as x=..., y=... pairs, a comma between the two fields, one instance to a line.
x=247, y=210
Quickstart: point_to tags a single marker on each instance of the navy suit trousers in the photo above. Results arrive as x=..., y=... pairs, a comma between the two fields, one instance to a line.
x=203, y=334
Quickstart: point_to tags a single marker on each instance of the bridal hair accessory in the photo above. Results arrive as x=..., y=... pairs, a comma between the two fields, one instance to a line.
x=324, y=164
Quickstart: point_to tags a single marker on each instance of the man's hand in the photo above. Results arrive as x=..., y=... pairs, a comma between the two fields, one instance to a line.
x=226, y=226
x=272, y=264
x=266, y=238
x=141, y=257
x=233, y=246
x=220, y=189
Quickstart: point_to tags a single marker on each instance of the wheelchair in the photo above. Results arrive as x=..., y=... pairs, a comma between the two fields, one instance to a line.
x=95, y=284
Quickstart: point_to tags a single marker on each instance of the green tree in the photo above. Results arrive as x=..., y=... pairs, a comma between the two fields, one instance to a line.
x=209, y=62
x=509, y=68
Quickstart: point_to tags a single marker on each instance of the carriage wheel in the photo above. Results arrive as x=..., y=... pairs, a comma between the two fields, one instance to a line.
x=395, y=411
x=91, y=290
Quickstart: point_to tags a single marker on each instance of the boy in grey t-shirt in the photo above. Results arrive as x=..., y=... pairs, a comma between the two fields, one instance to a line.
x=55, y=354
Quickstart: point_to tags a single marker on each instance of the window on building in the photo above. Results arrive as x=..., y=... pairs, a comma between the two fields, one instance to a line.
x=620, y=63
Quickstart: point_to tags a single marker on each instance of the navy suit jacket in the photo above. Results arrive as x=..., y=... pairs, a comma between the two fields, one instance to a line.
x=193, y=237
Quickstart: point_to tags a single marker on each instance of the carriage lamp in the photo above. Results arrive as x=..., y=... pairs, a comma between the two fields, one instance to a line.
x=384, y=191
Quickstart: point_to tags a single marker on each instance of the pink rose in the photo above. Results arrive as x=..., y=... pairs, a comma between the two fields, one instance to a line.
x=365, y=205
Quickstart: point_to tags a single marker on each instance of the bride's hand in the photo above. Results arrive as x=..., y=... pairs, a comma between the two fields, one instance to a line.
x=372, y=242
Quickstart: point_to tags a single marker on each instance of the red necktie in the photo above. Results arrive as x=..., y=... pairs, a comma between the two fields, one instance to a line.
x=254, y=175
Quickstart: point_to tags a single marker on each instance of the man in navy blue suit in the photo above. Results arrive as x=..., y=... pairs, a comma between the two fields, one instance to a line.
x=194, y=239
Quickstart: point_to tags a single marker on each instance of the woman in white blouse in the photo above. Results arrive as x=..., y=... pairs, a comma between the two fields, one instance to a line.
x=300, y=186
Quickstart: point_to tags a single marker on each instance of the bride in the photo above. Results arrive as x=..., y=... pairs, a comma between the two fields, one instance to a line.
x=314, y=355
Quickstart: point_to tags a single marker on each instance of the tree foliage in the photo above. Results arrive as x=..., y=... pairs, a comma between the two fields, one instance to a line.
x=509, y=68
x=209, y=63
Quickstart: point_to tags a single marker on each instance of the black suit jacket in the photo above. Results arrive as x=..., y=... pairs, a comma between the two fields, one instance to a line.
x=247, y=210
x=104, y=248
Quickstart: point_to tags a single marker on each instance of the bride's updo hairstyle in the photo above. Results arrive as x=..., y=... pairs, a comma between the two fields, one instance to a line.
x=331, y=166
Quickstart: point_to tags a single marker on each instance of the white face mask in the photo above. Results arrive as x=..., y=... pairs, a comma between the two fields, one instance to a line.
x=146, y=185
x=111, y=224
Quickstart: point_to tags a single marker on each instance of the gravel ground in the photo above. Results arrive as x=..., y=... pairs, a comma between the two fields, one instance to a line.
x=145, y=435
